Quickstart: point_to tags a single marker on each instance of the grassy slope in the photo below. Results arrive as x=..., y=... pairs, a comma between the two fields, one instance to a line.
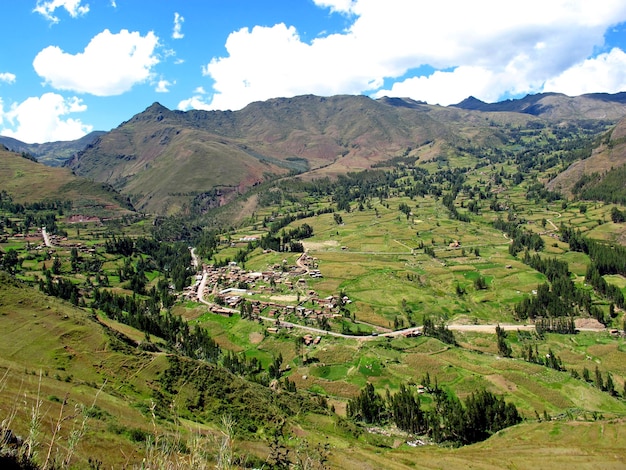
x=74, y=355
x=162, y=163
x=43, y=334
x=27, y=181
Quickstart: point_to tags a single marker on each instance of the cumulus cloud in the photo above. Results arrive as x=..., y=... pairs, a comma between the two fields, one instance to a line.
x=110, y=64
x=178, y=26
x=195, y=102
x=484, y=48
x=163, y=86
x=43, y=119
x=48, y=7
x=7, y=77
x=606, y=72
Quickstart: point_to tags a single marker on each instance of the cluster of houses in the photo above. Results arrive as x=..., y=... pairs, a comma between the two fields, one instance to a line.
x=231, y=286
x=231, y=299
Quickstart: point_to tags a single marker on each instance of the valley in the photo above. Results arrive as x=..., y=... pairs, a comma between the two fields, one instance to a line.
x=444, y=256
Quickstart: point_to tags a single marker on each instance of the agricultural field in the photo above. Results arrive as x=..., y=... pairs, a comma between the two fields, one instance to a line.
x=397, y=278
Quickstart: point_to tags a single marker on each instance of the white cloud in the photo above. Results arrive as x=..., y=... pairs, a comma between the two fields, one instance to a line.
x=178, y=26
x=7, y=77
x=195, y=102
x=339, y=6
x=485, y=48
x=606, y=72
x=110, y=64
x=41, y=119
x=73, y=8
x=451, y=87
x=163, y=86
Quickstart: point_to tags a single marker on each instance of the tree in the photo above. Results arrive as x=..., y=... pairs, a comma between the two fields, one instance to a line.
x=273, y=370
x=368, y=406
x=504, y=349
x=599, y=381
x=610, y=385
x=299, y=345
x=10, y=261
x=480, y=283
x=56, y=266
x=75, y=260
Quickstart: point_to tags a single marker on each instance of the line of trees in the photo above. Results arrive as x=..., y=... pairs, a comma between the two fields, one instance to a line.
x=447, y=420
x=557, y=298
x=146, y=316
x=287, y=238
x=521, y=238
x=440, y=331
x=608, y=259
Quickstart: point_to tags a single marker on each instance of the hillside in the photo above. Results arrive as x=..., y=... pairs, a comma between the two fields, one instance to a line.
x=28, y=181
x=51, y=153
x=609, y=154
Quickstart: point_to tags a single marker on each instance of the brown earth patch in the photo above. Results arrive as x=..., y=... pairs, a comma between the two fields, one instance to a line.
x=318, y=246
x=82, y=218
x=255, y=337
x=588, y=323
x=501, y=382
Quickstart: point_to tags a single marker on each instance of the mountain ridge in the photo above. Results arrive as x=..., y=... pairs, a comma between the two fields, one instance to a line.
x=163, y=159
x=556, y=105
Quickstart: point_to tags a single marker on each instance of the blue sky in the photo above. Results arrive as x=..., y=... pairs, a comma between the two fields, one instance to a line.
x=68, y=67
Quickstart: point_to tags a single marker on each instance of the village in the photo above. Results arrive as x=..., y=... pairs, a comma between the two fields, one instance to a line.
x=267, y=295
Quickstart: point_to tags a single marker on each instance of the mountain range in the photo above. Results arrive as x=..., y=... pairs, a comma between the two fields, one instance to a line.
x=163, y=159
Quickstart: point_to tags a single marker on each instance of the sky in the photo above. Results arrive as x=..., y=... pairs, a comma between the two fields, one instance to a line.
x=68, y=67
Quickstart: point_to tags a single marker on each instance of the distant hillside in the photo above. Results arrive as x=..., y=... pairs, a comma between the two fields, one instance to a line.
x=557, y=106
x=51, y=153
x=28, y=181
x=599, y=170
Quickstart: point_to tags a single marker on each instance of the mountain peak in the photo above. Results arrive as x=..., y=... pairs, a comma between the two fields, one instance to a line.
x=156, y=106
x=471, y=102
x=156, y=111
